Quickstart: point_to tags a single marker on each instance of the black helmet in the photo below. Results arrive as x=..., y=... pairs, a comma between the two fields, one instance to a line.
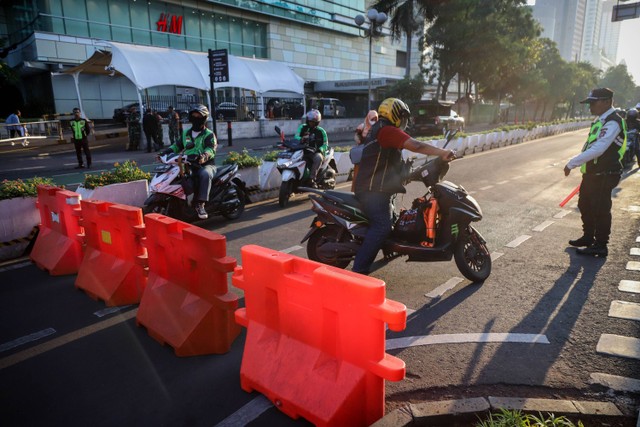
x=199, y=108
x=632, y=114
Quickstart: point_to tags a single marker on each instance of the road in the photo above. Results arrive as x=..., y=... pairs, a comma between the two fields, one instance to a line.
x=94, y=366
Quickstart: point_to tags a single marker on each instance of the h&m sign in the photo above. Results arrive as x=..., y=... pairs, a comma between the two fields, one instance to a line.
x=166, y=25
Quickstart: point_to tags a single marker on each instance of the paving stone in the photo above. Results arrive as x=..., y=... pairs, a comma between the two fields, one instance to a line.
x=397, y=418
x=624, y=310
x=617, y=345
x=632, y=286
x=449, y=407
x=616, y=382
x=537, y=405
x=597, y=408
x=633, y=265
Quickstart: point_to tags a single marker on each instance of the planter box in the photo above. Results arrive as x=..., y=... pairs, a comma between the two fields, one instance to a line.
x=132, y=193
x=19, y=216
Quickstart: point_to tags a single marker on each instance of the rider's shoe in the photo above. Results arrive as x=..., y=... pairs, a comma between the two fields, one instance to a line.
x=202, y=213
x=596, y=250
x=582, y=241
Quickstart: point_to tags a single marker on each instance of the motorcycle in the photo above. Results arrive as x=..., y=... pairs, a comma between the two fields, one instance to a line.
x=172, y=189
x=446, y=210
x=632, y=149
x=295, y=173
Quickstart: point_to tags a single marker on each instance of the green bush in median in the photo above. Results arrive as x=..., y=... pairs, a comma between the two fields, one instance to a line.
x=11, y=189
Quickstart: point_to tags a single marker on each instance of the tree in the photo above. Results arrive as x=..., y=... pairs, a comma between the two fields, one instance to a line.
x=621, y=82
x=410, y=90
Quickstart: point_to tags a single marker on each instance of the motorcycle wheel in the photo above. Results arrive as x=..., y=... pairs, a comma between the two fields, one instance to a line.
x=472, y=257
x=286, y=188
x=326, y=234
x=235, y=214
x=158, y=208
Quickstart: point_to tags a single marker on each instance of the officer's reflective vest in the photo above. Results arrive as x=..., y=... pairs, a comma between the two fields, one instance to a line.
x=611, y=160
x=79, y=128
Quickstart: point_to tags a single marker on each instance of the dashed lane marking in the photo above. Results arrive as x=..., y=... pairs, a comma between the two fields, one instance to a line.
x=27, y=338
x=624, y=310
x=633, y=266
x=632, y=208
x=440, y=290
x=487, y=187
x=496, y=255
x=518, y=241
x=634, y=251
x=65, y=339
x=487, y=337
x=617, y=345
x=562, y=214
x=616, y=382
x=502, y=182
x=110, y=310
x=247, y=413
x=541, y=227
x=291, y=249
x=632, y=286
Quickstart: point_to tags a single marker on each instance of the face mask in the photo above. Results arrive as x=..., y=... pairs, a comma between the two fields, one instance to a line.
x=197, y=122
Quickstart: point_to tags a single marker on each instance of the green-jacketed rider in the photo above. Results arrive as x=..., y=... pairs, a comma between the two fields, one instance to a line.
x=314, y=136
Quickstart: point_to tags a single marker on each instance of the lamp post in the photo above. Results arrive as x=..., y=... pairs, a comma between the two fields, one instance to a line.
x=376, y=20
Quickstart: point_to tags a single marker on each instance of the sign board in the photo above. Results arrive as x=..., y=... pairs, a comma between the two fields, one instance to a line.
x=219, y=65
x=625, y=11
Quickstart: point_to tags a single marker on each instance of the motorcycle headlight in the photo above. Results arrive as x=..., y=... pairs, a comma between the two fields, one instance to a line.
x=284, y=155
x=161, y=168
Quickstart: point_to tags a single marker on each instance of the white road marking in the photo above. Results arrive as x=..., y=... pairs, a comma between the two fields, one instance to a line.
x=496, y=255
x=541, y=227
x=24, y=169
x=502, y=182
x=632, y=208
x=634, y=251
x=515, y=243
x=617, y=345
x=633, y=265
x=632, y=286
x=440, y=290
x=487, y=337
x=110, y=310
x=616, y=382
x=624, y=310
x=562, y=214
x=27, y=338
x=638, y=239
x=487, y=187
x=247, y=413
x=291, y=249
x=517, y=177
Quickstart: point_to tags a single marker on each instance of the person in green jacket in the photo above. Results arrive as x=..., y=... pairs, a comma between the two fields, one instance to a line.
x=314, y=136
x=80, y=129
x=204, y=146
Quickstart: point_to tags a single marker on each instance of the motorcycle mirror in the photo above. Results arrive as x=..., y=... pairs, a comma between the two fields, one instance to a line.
x=278, y=131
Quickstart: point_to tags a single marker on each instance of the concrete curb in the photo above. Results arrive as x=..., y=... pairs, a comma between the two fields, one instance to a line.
x=446, y=412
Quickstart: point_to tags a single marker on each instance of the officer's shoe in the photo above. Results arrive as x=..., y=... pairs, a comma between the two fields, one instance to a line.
x=583, y=241
x=202, y=213
x=596, y=250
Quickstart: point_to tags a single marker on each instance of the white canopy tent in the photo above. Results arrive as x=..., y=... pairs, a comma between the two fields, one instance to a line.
x=148, y=66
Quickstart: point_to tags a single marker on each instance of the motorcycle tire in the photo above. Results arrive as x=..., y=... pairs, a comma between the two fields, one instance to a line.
x=327, y=233
x=286, y=188
x=472, y=256
x=235, y=213
x=159, y=208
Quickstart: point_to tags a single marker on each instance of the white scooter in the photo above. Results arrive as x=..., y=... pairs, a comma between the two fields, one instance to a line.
x=295, y=172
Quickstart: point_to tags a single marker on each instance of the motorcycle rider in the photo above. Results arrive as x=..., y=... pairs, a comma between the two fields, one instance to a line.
x=379, y=176
x=205, y=144
x=633, y=122
x=314, y=136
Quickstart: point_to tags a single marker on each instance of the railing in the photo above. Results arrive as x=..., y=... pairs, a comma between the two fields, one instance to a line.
x=40, y=129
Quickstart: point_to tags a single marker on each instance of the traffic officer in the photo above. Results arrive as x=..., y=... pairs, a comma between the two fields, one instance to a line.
x=80, y=128
x=135, y=129
x=601, y=165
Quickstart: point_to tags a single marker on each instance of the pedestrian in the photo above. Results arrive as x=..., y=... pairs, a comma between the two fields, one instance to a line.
x=135, y=131
x=150, y=125
x=380, y=175
x=80, y=129
x=16, y=129
x=174, y=125
x=601, y=165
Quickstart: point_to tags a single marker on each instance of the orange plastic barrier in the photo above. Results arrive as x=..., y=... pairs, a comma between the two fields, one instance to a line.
x=187, y=302
x=113, y=265
x=316, y=338
x=58, y=248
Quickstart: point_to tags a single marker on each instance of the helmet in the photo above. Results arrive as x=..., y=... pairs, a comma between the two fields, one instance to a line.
x=313, y=117
x=632, y=114
x=395, y=111
x=199, y=108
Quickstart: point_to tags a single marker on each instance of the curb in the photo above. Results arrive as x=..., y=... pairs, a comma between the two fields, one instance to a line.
x=446, y=412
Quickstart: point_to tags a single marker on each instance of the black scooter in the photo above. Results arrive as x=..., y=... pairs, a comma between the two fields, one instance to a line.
x=338, y=230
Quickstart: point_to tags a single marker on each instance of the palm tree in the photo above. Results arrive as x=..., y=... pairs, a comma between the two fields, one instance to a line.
x=406, y=18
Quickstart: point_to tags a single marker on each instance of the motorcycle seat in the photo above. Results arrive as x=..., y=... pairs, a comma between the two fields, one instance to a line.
x=222, y=170
x=347, y=198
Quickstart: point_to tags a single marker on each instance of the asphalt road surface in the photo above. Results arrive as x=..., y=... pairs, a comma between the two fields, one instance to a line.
x=537, y=327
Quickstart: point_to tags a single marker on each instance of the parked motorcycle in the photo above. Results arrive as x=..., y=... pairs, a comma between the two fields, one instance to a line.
x=632, y=149
x=437, y=228
x=173, y=187
x=295, y=172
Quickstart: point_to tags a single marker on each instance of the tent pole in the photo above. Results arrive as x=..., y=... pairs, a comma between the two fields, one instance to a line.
x=261, y=107
x=76, y=78
x=140, y=105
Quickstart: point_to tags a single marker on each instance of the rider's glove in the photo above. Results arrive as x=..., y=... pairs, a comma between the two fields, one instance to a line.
x=203, y=158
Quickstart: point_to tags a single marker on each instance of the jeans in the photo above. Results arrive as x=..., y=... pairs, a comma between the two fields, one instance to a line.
x=379, y=210
x=203, y=178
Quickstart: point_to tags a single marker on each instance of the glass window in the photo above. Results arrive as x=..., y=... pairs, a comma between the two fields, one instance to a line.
x=235, y=36
x=222, y=32
x=208, y=30
x=191, y=29
x=77, y=12
x=140, y=22
x=96, y=12
x=119, y=13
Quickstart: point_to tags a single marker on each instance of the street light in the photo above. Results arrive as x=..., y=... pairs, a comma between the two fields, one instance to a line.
x=376, y=19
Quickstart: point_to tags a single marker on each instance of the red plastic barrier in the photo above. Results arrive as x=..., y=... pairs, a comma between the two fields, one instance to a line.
x=58, y=248
x=187, y=302
x=316, y=338
x=112, y=268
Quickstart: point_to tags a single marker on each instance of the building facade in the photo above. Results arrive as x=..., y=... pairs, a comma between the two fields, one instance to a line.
x=317, y=39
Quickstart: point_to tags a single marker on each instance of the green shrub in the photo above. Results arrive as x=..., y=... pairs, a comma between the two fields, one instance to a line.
x=515, y=418
x=123, y=172
x=19, y=188
x=271, y=156
x=342, y=148
x=243, y=160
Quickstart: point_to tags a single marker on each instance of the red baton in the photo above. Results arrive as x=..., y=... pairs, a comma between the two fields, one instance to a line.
x=570, y=196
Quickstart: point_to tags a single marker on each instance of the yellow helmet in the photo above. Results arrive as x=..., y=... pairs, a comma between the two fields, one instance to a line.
x=395, y=111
